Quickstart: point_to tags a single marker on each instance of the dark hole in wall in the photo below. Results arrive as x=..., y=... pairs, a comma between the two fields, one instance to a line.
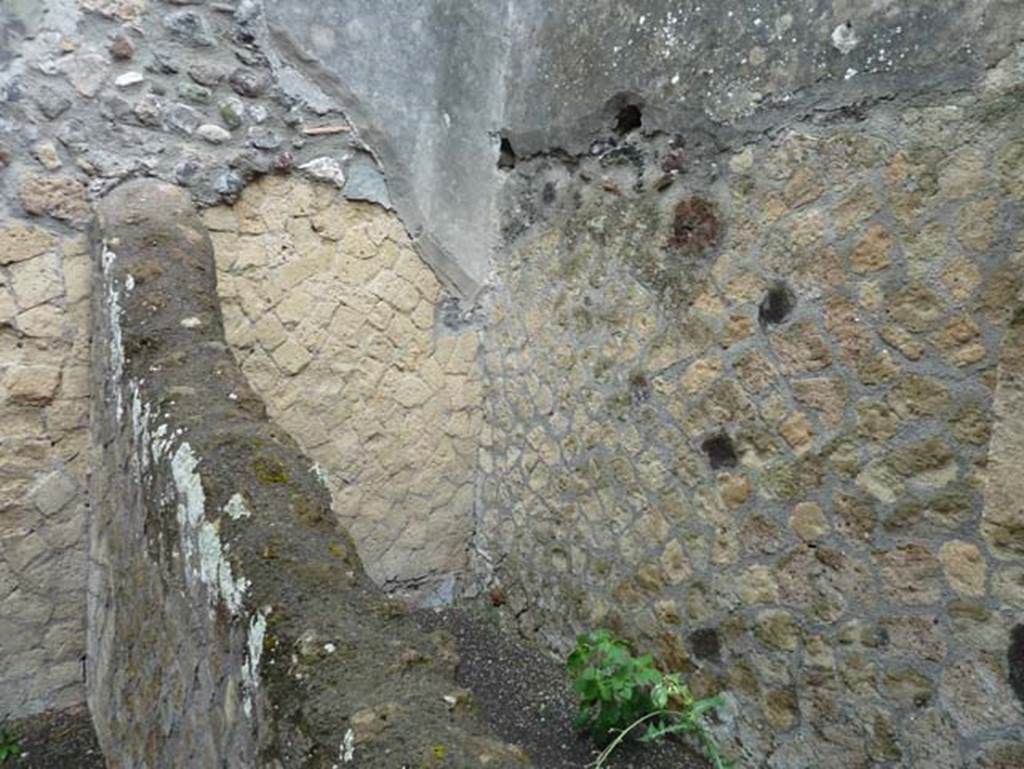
x=547, y=196
x=628, y=118
x=720, y=451
x=695, y=226
x=450, y=313
x=706, y=644
x=777, y=305
x=506, y=155
x=1015, y=658
x=639, y=389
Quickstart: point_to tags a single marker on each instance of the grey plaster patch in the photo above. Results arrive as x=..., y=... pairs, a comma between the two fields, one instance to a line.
x=365, y=181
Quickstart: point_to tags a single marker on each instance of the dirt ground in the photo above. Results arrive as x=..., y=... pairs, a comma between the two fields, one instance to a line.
x=58, y=740
x=527, y=698
x=523, y=694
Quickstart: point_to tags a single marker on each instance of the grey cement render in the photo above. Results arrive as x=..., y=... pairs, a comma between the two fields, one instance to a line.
x=423, y=82
x=432, y=86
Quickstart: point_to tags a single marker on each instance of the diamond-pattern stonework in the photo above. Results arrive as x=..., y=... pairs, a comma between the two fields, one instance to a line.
x=331, y=315
x=44, y=465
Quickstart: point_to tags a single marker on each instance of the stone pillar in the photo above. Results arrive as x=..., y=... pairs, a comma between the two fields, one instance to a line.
x=231, y=622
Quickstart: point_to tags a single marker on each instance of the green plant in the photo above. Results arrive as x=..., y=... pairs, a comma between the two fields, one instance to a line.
x=620, y=693
x=613, y=685
x=10, y=747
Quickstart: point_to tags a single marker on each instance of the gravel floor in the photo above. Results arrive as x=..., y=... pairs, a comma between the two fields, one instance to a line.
x=523, y=693
x=528, y=700
x=57, y=740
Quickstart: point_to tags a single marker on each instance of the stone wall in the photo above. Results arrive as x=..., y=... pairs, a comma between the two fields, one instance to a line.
x=44, y=463
x=341, y=329
x=174, y=644
x=91, y=93
x=739, y=405
x=748, y=388
x=231, y=622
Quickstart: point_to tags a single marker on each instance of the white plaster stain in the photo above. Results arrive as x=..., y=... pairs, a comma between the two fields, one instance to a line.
x=116, y=340
x=192, y=499
x=320, y=473
x=348, y=747
x=251, y=666
x=844, y=39
x=200, y=540
x=236, y=509
x=215, y=569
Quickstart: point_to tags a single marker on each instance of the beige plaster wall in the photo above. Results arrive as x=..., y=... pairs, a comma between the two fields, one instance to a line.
x=333, y=318
x=44, y=461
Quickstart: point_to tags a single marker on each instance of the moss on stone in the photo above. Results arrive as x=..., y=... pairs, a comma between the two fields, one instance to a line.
x=269, y=470
x=338, y=550
x=307, y=508
x=1018, y=316
x=922, y=457
x=788, y=481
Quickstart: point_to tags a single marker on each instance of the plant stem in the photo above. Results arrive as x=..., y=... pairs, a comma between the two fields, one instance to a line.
x=622, y=735
x=711, y=747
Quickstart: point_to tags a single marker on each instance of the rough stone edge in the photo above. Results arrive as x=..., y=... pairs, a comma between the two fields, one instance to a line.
x=215, y=557
x=185, y=489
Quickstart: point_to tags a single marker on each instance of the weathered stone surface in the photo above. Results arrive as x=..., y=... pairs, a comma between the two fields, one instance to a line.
x=977, y=696
x=19, y=242
x=797, y=432
x=242, y=591
x=344, y=308
x=918, y=395
x=916, y=307
x=1008, y=586
x=932, y=739
x=910, y=573
x=46, y=154
x=214, y=134
x=249, y=82
x=802, y=349
x=871, y=254
x=778, y=629
x=997, y=754
x=32, y=385
x=1003, y=517
x=36, y=281
x=808, y=521
x=912, y=636
x=190, y=27
x=126, y=10
x=964, y=566
x=86, y=71
x=42, y=502
x=908, y=688
x=61, y=197
x=45, y=321
x=121, y=47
